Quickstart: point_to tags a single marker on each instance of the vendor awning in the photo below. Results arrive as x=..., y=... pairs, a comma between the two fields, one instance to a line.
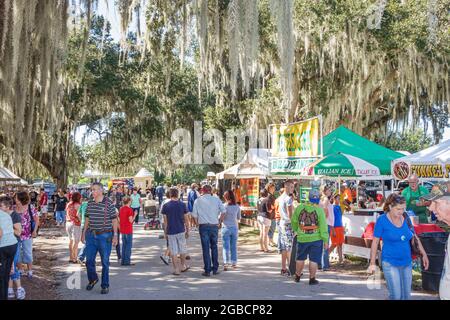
x=343, y=140
x=254, y=164
x=7, y=175
x=342, y=165
x=432, y=163
x=143, y=173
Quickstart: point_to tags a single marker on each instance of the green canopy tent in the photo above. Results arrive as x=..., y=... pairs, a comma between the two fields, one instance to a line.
x=339, y=141
x=343, y=140
x=342, y=165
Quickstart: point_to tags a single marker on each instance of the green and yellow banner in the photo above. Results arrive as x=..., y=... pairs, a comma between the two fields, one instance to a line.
x=299, y=139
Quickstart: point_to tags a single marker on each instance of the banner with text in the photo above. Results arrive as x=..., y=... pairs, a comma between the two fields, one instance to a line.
x=402, y=170
x=299, y=139
x=292, y=165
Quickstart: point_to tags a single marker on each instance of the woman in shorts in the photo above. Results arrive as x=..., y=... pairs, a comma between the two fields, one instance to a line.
x=73, y=226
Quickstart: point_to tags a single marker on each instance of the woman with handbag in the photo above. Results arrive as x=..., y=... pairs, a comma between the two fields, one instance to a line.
x=399, y=244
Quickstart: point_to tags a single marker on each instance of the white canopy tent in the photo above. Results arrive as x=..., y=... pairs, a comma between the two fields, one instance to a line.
x=432, y=163
x=143, y=178
x=9, y=177
x=255, y=164
x=143, y=173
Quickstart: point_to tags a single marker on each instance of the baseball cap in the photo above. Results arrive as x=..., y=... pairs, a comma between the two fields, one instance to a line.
x=314, y=195
x=436, y=195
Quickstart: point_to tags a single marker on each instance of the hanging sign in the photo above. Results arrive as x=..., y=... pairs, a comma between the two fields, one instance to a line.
x=299, y=139
x=403, y=170
x=290, y=165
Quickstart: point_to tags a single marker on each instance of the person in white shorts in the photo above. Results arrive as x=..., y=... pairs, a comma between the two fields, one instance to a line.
x=176, y=230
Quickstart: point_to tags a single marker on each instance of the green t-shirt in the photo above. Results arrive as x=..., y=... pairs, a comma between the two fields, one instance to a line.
x=310, y=223
x=411, y=197
x=135, y=201
x=408, y=194
x=82, y=212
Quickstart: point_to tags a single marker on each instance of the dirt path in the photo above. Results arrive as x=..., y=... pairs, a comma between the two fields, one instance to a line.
x=256, y=278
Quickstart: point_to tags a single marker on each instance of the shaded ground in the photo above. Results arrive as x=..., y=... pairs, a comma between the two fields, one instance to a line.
x=256, y=278
x=43, y=286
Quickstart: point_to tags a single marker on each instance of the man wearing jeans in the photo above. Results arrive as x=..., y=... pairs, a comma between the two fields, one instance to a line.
x=206, y=212
x=100, y=223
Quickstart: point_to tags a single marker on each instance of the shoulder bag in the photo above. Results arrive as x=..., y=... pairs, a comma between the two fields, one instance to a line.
x=414, y=242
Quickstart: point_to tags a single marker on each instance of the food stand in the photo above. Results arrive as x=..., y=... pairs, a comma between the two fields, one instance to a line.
x=432, y=163
x=246, y=177
x=346, y=156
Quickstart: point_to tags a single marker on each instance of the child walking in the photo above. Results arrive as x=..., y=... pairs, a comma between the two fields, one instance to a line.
x=337, y=231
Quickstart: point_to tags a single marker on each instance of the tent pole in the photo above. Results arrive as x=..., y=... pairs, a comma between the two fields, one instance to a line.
x=339, y=184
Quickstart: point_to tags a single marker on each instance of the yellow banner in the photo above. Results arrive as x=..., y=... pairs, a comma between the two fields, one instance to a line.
x=429, y=171
x=296, y=139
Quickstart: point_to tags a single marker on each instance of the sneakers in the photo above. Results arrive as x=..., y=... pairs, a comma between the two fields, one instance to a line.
x=206, y=274
x=216, y=273
x=20, y=293
x=30, y=274
x=11, y=294
x=105, y=291
x=313, y=281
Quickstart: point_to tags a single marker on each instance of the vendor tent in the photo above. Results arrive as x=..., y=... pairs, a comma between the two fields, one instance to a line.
x=143, y=173
x=432, y=163
x=343, y=140
x=143, y=178
x=255, y=164
x=342, y=165
x=7, y=176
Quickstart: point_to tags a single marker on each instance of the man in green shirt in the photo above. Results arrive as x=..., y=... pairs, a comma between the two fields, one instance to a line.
x=310, y=224
x=414, y=202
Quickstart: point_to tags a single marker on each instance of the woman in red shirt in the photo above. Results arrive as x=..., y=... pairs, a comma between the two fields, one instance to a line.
x=73, y=226
x=126, y=219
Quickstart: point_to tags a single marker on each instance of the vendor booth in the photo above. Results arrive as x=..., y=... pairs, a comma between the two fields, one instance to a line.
x=246, y=177
x=432, y=163
x=9, y=181
x=143, y=179
x=346, y=156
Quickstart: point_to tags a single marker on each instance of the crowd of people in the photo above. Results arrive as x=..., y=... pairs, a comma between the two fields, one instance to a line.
x=307, y=230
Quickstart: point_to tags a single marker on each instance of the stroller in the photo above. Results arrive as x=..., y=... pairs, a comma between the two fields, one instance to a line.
x=151, y=212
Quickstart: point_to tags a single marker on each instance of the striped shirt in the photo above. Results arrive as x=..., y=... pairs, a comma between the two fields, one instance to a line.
x=100, y=218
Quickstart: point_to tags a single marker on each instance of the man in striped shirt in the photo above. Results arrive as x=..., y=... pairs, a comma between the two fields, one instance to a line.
x=100, y=234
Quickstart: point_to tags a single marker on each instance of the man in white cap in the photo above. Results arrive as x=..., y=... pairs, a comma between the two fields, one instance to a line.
x=440, y=205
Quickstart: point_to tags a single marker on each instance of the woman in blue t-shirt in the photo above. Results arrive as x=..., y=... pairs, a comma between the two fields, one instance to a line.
x=396, y=258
